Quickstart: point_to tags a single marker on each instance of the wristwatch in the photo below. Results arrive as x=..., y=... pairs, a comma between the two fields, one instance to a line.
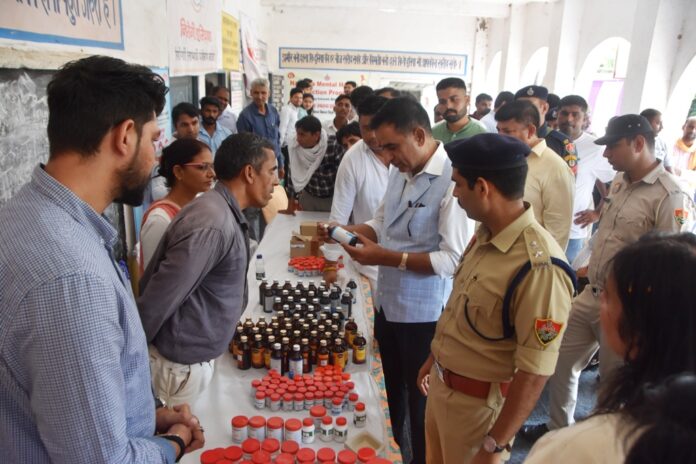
x=402, y=265
x=491, y=446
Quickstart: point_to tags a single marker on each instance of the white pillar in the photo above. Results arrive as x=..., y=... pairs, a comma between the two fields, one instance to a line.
x=512, y=51
x=654, y=45
x=478, y=60
x=563, y=46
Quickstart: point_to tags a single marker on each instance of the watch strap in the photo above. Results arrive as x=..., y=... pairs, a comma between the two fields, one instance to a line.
x=404, y=259
x=494, y=446
x=179, y=441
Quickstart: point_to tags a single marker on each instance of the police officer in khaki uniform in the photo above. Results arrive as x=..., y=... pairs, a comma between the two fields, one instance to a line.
x=643, y=198
x=497, y=340
x=550, y=185
x=557, y=141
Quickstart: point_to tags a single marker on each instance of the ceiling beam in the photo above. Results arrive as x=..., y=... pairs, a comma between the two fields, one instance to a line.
x=475, y=8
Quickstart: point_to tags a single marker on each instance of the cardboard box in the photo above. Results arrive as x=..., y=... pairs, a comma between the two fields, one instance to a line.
x=304, y=245
x=309, y=228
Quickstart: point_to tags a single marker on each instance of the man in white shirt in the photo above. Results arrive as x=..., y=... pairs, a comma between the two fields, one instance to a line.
x=289, y=115
x=488, y=120
x=362, y=177
x=416, y=238
x=593, y=168
x=342, y=108
x=227, y=119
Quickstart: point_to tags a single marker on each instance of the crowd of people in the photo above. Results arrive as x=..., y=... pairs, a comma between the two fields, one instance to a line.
x=495, y=272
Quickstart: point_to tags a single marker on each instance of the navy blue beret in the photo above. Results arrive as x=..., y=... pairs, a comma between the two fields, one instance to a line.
x=489, y=152
x=536, y=91
x=624, y=126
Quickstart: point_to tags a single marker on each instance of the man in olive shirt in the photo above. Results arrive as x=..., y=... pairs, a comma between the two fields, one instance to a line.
x=550, y=185
x=488, y=365
x=453, y=102
x=194, y=290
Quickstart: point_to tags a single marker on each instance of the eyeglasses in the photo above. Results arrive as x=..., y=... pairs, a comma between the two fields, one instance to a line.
x=201, y=166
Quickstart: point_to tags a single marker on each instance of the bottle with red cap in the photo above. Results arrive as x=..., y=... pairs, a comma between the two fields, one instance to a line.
x=290, y=447
x=271, y=446
x=285, y=458
x=239, y=428
x=212, y=456
x=365, y=454
x=317, y=412
x=293, y=430
x=305, y=456
x=250, y=446
x=261, y=457
x=346, y=456
x=274, y=428
x=360, y=415
x=257, y=428
x=341, y=430
x=326, y=455
x=233, y=454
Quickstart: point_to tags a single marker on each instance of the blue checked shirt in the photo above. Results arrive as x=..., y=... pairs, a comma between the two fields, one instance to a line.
x=74, y=372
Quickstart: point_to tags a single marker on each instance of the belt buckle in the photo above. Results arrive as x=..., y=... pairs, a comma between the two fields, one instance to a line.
x=440, y=372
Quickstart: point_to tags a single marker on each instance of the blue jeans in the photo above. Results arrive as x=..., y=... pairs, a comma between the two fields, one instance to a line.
x=573, y=248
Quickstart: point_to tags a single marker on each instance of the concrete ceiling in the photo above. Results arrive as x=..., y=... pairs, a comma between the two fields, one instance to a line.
x=475, y=8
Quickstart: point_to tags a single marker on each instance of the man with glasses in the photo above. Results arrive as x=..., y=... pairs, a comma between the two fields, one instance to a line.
x=194, y=289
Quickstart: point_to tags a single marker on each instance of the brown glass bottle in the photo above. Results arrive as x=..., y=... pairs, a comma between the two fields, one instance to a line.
x=248, y=326
x=313, y=346
x=359, y=349
x=351, y=330
x=306, y=359
x=262, y=290
x=268, y=300
x=234, y=344
x=323, y=354
x=287, y=286
x=339, y=354
x=296, y=337
x=244, y=359
x=285, y=350
x=257, y=349
x=346, y=305
x=277, y=358
x=267, y=351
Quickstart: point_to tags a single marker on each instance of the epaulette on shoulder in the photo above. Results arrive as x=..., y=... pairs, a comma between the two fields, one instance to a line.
x=536, y=248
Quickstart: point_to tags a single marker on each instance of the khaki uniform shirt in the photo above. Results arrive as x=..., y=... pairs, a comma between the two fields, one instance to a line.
x=539, y=308
x=550, y=189
x=654, y=203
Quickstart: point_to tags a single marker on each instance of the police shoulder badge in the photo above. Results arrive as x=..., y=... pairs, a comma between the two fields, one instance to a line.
x=547, y=330
x=681, y=215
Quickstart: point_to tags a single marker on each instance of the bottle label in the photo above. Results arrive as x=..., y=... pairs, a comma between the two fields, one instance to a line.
x=360, y=354
x=323, y=361
x=341, y=235
x=257, y=357
x=295, y=368
x=277, y=364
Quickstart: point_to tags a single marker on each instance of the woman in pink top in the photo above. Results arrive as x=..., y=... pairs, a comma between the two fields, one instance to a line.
x=187, y=167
